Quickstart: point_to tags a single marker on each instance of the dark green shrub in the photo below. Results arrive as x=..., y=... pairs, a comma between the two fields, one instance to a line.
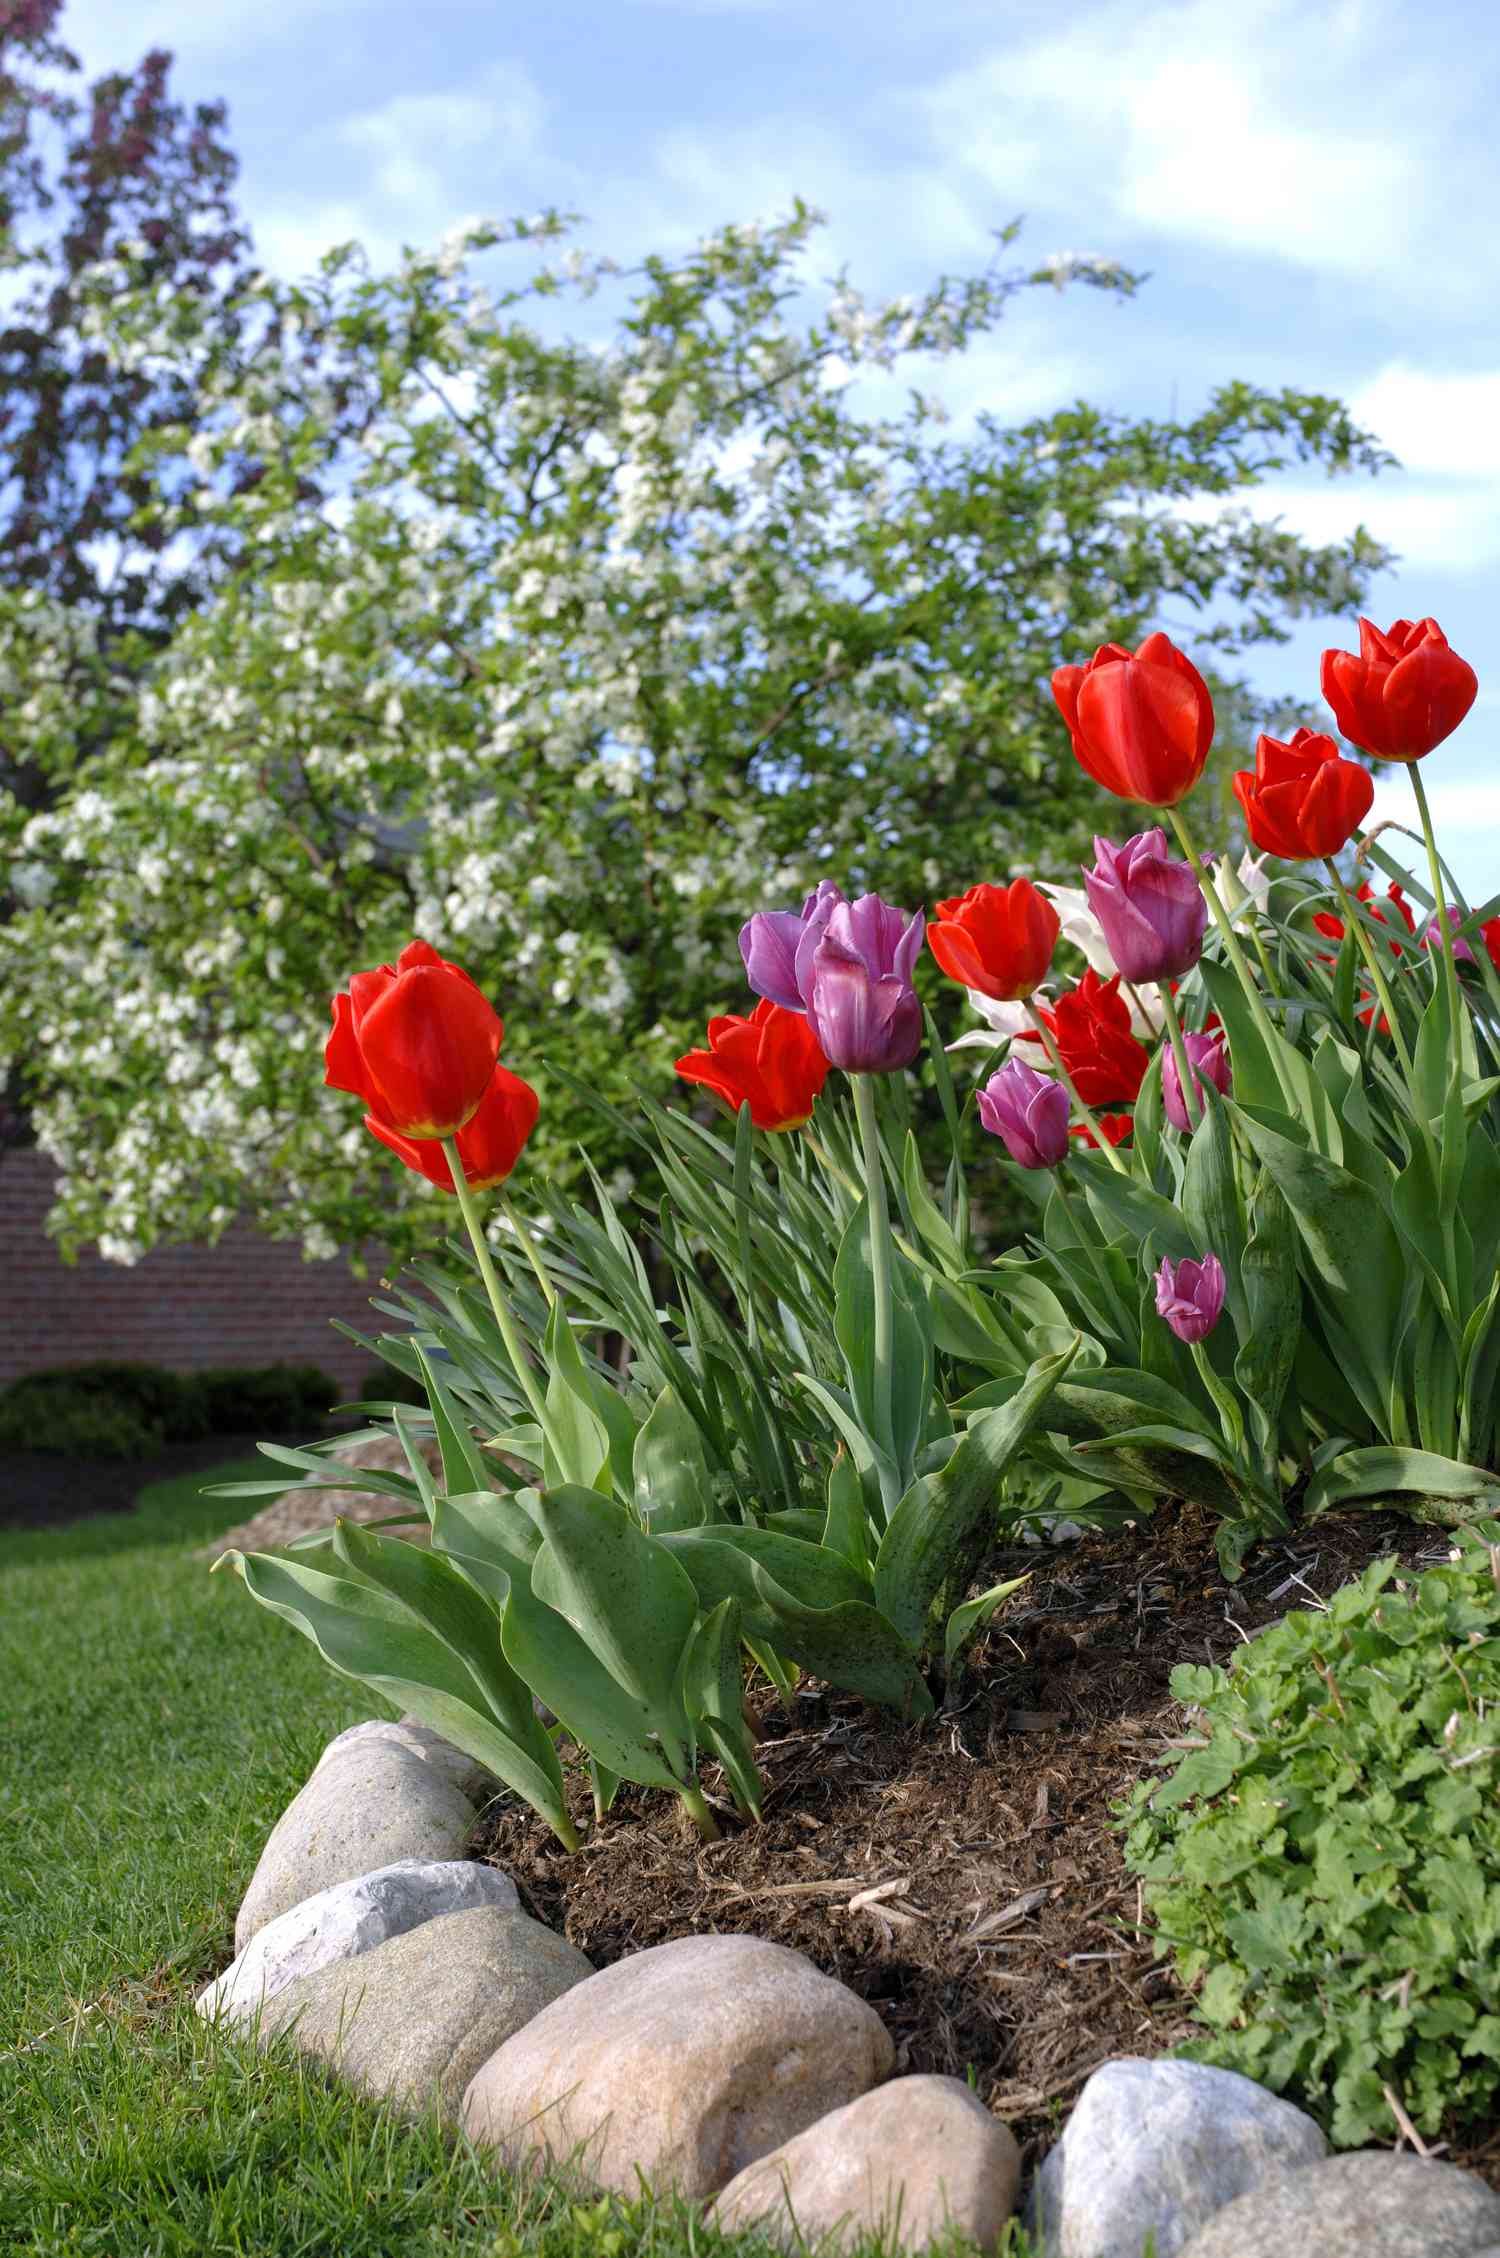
x=75, y=1423
x=281, y=1399
x=1325, y=1863
x=169, y=1402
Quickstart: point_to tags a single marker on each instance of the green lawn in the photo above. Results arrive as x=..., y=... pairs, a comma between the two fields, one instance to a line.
x=155, y=1726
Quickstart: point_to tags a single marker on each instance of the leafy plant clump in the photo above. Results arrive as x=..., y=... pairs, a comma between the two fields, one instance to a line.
x=1325, y=1862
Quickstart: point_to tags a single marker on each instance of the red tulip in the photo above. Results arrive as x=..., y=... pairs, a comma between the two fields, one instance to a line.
x=1117, y=1129
x=417, y=1041
x=1091, y=1028
x=1332, y=928
x=996, y=939
x=1404, y=692
x=1304, y=799
x=1141, y=724
x=1489, y=933
x=489, y=1143
x=772, y=1060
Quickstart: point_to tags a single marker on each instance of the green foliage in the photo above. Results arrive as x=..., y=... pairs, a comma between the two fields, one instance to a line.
x=564, y=654
x=123, y=1410
x=74, y=1423
x=1325, y=1863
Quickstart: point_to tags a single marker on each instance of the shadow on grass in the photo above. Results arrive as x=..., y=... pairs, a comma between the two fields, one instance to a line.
x=150, y=1503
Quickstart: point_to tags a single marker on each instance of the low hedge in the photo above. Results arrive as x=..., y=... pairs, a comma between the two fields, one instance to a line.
x=124, y=1410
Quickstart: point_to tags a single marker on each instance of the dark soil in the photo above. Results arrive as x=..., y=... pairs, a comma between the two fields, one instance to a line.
x=962, y=1875
x=43, y=1489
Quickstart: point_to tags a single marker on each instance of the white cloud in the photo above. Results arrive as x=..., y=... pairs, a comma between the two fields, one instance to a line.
x=418, y=165
x=1229, y=126
x=1440, y=510
x=1442, y=422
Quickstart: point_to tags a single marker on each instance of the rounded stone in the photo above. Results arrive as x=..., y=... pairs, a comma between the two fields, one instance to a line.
x=364, y=1807
x=347, y=1920
x=1371, y=2203
x=1155, y=2148
x=467, y=1774
x=411, y=2021
x=683, y=2063
x=908, y=2162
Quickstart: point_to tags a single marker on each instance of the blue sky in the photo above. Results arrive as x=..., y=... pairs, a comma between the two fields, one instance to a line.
x=1314, y=189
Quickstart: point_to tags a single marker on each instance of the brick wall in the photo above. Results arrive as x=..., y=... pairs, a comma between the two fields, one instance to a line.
x=249, y=1300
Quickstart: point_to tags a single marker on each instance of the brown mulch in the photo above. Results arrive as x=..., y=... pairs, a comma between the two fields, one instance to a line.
x=962, y=1875
x=296, y=1512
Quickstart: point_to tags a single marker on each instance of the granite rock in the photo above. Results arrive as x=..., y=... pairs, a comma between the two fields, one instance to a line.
x=1372, y=2203
x=912, y=2159
x=1155, y=2148
x=366, y=1806
x=411, y=2021
x=347, y=1920
x=684, y=2063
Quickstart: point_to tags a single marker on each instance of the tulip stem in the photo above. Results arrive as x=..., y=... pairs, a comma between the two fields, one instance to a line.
x=1233, y=950
x=1370, y=954
x=515, y=1347
x=880, y=1258
x=512, y=1216
x=695, y=1804
x=1192, y=1096
x=1440, y=906
x=1259, y=947
x=1068, y=1083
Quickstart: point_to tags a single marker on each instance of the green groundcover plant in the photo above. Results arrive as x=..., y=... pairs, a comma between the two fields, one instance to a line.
x=786, y=1411
x=1324, y=1863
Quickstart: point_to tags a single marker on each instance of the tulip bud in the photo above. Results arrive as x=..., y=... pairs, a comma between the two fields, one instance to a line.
x=860, y=999
x=417, y=1041
x=1304, y=800
x=1432, y=938
x=1151, y=907
x=997, y=940
x=1403, y=693
x=777, y=946
x=1190, y=1296
x=1208, y=1061
x=1141, y=724
x=489, y=1143
x=770, y=1062
x=1028, y=1111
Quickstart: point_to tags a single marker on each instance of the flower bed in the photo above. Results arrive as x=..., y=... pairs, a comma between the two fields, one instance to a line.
x=1263, y=1287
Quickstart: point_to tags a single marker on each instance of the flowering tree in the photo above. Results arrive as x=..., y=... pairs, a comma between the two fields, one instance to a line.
x=559, y=654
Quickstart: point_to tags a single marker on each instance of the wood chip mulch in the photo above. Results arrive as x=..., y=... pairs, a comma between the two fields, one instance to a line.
x=962, y=1875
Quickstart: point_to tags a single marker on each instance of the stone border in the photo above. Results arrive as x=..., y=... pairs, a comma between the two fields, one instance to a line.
x=734, y=2071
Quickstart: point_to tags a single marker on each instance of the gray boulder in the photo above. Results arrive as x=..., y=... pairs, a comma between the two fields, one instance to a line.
x=468, y=1775
x=683, y=2063
x=347, y=1920
x=365, y=1806
x=1371, y=2204
x=1155, y=2149
x=411, y=2021
x=910, y=2161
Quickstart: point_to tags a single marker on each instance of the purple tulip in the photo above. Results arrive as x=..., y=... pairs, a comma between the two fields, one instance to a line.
x=1028, y=1111
x=1190, y=1295
x=1433, y=937
x=860, y=1000
x=1208, y=1061
x=777, y=946
x=1151, y=909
